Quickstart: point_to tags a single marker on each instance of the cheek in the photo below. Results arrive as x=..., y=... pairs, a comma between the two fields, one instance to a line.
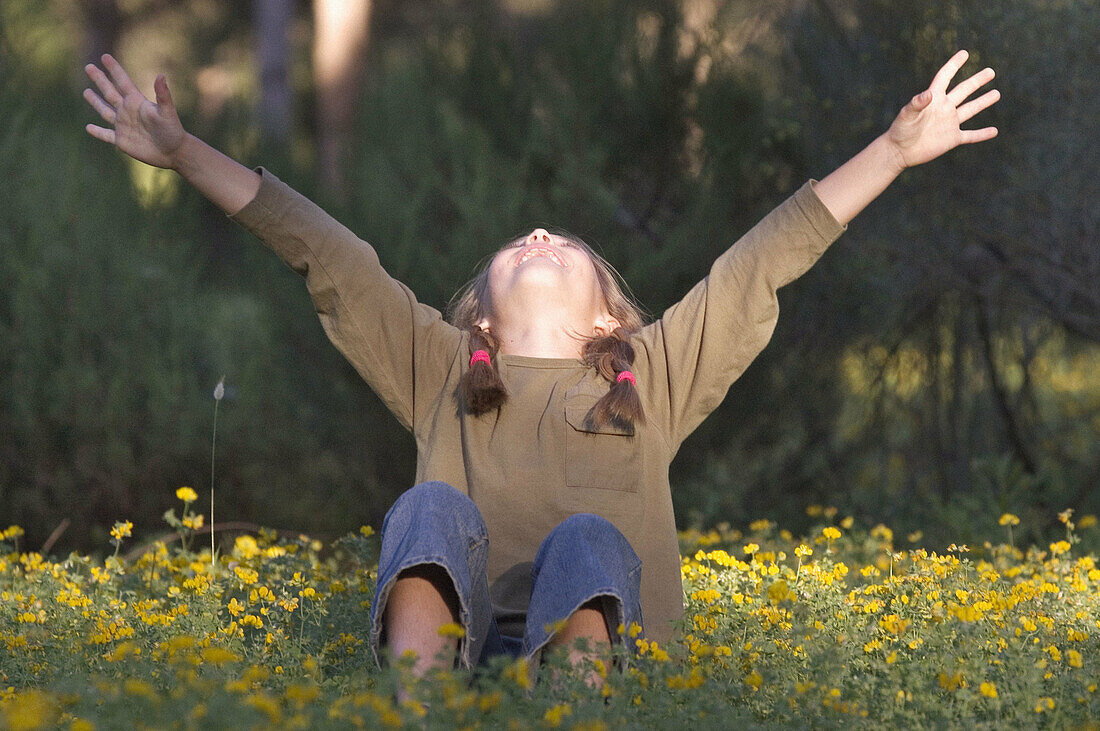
x=495, y=282
x=593, y=284
x=496, y=275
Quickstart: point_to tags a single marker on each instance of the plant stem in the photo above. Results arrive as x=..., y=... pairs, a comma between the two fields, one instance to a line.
x=213, y=444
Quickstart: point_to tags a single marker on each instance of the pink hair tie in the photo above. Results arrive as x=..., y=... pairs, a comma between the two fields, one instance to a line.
x=626, y=376
x=480, y=356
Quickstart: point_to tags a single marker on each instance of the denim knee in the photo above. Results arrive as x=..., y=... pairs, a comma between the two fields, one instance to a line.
x=586, y=531
x=430, y=503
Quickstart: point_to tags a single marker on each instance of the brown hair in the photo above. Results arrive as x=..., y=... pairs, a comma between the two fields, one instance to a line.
x=481, y=388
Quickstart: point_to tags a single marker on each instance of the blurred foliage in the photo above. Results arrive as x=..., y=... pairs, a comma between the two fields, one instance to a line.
x=940, y=365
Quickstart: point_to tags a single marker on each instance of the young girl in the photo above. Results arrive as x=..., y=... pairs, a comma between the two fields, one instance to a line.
x=546, y=412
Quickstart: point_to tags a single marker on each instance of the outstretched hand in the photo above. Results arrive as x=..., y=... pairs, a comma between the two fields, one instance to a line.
x=144, y=130
x=931, y=124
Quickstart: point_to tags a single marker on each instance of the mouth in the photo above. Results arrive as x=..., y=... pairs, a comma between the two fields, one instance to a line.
x=550, y=254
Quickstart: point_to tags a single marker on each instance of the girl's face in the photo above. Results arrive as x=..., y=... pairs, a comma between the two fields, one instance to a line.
x=543, y=273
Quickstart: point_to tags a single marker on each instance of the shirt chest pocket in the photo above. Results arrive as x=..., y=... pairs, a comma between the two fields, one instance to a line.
x=606, y=458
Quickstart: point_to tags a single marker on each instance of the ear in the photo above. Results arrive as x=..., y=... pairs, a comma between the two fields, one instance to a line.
x=605, y=325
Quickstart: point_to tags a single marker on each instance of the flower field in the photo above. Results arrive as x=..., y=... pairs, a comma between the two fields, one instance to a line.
x=839, y=628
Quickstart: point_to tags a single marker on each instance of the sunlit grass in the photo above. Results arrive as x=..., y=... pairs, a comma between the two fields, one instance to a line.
x=837, y=627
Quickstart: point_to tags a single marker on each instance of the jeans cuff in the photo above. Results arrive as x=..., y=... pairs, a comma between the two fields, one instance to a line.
x=614, y=615
x=382, y=595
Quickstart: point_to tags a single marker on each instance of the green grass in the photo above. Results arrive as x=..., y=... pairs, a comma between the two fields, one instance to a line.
x=838, y=628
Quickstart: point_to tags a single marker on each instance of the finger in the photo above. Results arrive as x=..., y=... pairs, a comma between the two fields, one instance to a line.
x=163, y=95
x=965, y=88
x=110, y=116
x=118, y=74
x=947, y=72
x=101, y=133
x=985, y=101
x=106, y=88
x=970, y=136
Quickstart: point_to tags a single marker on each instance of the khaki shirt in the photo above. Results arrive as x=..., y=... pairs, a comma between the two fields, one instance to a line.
x=533, y=462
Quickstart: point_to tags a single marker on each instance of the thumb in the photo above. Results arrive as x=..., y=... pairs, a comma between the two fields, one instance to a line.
x=922, y=100
x=164, y=97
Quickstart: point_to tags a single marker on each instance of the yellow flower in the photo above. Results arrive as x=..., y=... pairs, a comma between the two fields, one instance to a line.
x=1044, y=704
x=951, y=682
x=30, y=709
x=1057, y=549
x=803, y=550
x=251, y=620
x=519, y=673
x=265, y=704
x=1009, y=519
x=246, y=547
x=193, y=522
x=246, y=575
x=830, y=533
x=1087, y=521
x=1075, y=659
x=754, y=680
x=988, y=689
x=122, y=530
x=750, y=548
x=451, y=629
x=893, y=624
x=554, y=715
x=187, y=495
x=301, y=694
x=779, y=592
x=218, y=655
x=135, y=687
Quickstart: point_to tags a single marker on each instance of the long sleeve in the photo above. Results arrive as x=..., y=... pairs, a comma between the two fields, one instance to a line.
x=402, y=348
x=702, y=344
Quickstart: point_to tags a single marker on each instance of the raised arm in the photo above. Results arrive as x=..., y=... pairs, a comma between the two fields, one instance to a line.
x=402, y=348
x=152, y=133
x=926, y=127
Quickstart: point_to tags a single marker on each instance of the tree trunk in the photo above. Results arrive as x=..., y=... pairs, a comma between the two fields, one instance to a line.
x=102, y=26
x=271, y=20
x=340, y=34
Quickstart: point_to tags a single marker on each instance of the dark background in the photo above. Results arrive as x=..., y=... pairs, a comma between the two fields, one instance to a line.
x=940, y=365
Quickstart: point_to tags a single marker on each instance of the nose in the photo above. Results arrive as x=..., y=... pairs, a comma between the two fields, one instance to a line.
x=538, y=236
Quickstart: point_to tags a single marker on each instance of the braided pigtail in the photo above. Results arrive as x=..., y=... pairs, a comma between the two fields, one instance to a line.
x=480, y=386
x=613, y=356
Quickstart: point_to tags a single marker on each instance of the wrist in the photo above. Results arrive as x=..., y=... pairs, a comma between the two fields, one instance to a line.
x=183, y=158
x=890, y=155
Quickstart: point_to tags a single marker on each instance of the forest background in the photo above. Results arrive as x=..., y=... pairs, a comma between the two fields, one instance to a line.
x=939, y=367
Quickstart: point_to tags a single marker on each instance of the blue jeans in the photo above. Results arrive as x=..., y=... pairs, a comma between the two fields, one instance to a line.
x=583, y=558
